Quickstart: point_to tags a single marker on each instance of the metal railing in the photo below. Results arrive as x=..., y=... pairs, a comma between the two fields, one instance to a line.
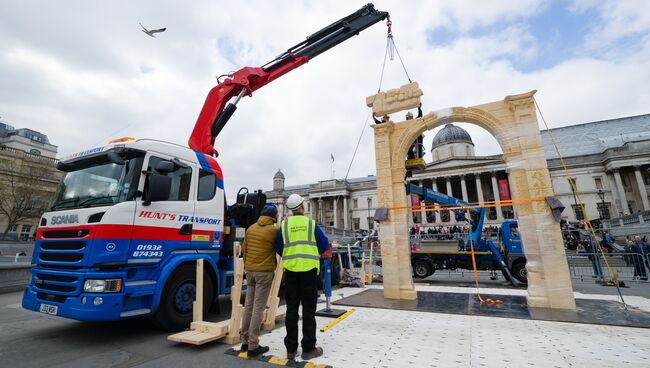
x=625, y=266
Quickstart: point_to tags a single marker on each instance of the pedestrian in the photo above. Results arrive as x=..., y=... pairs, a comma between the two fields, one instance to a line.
x=259, y=262
x=640, y=248
x=417, y=148
x=300, y=241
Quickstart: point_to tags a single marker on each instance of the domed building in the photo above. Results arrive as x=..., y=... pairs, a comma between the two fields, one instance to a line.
x=451, y=141
x=609, y=160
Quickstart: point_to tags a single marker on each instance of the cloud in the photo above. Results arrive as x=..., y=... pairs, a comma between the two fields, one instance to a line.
x=83, y=73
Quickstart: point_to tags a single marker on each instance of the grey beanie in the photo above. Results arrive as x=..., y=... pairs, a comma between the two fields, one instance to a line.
x=269, y=210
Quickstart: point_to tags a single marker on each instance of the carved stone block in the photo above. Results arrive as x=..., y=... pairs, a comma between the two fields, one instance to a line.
x=398, y=99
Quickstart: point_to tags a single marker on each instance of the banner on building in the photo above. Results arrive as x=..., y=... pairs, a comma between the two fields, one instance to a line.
x=415, y=201
x=504, y=192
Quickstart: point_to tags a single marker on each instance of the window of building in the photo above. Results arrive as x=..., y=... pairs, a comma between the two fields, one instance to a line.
x=371, y=223
x=577, y=211
x=356, y=222
x=25, y=232
x=369, y=202
x=308, y=207
x=181, y=180
x=207, y=185
x=34, y=151
x=331, y=206
x=355, y=203
x=603, y=210
x=13, y=228
x=599, y=183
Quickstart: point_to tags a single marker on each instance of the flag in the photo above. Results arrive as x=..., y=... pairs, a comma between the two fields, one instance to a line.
x=332, y=156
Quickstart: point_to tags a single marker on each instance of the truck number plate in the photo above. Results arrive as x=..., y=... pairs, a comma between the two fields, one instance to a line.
x=49, y=309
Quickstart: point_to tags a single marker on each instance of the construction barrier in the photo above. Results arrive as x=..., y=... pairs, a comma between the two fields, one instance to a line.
x=626, y=266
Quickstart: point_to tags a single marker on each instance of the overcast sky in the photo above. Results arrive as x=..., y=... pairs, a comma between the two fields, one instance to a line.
x=83, y=73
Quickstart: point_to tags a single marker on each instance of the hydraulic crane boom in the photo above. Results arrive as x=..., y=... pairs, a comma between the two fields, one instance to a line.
x=215, y=114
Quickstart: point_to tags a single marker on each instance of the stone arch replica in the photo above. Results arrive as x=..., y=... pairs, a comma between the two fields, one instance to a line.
x=513, y=122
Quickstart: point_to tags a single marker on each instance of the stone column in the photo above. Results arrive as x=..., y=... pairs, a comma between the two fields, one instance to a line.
x=621, y=191
x=394, y=239
x=463, y=188
x=641, y=185
x=452, y=214
x=320, y=211
x=497, y=198
x=549, y=282
x=434, y=187
x=423, y=212
x=336, y=212
x=479, y=189
x=346, y=215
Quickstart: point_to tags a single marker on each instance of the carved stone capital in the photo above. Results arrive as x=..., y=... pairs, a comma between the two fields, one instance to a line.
x=521, y=101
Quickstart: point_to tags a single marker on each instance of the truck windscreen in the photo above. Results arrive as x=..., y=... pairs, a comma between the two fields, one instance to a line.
x=99, y=181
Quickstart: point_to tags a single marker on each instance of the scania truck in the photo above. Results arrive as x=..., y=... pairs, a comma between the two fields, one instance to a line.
x=131, y=218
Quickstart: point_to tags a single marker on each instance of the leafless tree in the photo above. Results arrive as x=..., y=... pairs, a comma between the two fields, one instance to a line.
x=24, y=193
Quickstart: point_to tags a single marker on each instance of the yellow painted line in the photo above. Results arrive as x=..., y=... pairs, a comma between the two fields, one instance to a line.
x=278, y=361
x=336, y=321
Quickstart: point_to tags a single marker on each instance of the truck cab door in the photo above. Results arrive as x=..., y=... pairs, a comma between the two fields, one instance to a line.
x=164, y=226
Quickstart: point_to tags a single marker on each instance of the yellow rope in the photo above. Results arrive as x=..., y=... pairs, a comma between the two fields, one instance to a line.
x=580, y=203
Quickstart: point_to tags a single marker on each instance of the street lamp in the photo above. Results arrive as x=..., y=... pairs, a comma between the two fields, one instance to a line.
x=603, y=212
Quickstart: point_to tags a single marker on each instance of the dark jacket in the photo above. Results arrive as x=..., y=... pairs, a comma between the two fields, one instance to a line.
x=258, y=246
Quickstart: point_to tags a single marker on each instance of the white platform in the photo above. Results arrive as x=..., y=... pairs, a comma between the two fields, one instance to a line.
x=391, y=338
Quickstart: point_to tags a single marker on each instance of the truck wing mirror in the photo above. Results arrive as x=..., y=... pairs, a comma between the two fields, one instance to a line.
x=115, y=158
x=165, y=167
x=159, y=187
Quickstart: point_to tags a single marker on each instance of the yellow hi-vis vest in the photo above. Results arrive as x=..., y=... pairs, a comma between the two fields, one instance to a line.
x=300, y=251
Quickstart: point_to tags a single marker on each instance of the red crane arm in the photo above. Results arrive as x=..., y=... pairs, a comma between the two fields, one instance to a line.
x=246, y=79
x=215, y=113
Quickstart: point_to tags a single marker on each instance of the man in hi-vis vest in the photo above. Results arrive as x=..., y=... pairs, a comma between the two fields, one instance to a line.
x=300, y=242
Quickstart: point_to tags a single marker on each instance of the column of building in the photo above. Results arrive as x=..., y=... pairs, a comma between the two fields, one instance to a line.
x=336, y=212
x=434, y=187
x=497, y=197
x=423, y=212
x=621, y=191
x=452, y=214
x=346, y=215
x=479, y=188
x=642, y=191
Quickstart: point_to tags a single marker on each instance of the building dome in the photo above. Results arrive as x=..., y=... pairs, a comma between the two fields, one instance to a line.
x=451, y=134
x=278, y=175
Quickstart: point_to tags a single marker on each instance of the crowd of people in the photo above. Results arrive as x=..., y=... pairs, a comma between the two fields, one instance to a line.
x=448, y=232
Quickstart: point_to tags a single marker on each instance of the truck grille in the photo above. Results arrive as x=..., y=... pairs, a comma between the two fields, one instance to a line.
x=62, y=234
x=61, y=253
x=53, y=282
x=63, y=245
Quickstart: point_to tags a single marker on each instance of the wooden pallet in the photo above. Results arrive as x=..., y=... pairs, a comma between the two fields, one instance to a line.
x=228, y=331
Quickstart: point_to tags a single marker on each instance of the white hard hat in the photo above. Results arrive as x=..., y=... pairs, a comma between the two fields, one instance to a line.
x=294, y=201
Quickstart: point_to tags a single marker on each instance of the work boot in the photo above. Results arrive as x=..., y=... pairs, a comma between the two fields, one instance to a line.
x=292, y=356
x=244, y=348
x=258, y=351
x=318, y=351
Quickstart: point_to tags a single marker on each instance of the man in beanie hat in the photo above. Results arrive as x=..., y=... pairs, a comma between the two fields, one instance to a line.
x=259, y=262
x=300, y=242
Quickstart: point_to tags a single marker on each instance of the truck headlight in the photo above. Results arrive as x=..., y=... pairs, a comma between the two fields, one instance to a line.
x=103, y=286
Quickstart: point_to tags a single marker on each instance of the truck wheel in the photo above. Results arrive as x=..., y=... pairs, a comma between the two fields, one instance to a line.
x=175, y=309
x=519, y=272
x=422, y=269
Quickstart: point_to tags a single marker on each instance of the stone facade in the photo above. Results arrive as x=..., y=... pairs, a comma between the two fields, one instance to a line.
x=28, y=179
